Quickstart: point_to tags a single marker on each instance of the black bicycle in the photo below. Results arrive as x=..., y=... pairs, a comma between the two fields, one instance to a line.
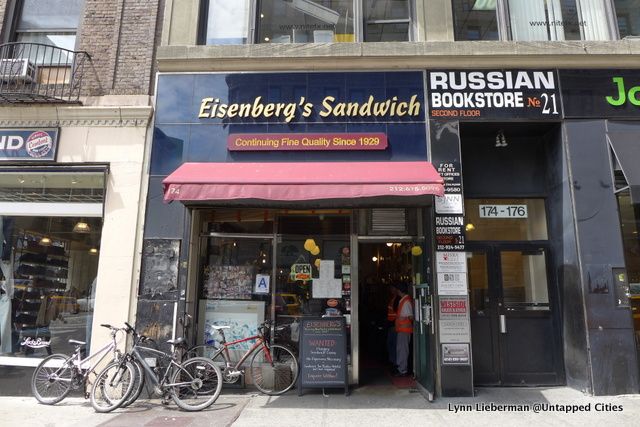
x=193, y=384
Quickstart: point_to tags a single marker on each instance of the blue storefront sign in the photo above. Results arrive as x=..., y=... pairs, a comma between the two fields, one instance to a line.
x=197, y=114
x=29, y=145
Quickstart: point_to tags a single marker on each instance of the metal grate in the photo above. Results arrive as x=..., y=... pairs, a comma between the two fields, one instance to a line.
x=52, y=195
x=388, y=221
x=35, y=73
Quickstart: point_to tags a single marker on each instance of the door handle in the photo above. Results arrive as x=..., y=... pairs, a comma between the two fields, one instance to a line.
x=503, y=324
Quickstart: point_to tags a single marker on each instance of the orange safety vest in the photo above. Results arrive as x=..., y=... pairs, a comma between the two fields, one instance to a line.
x=391, y=312
x=404, y=324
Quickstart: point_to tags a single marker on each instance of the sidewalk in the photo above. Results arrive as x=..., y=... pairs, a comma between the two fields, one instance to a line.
x=367, y=406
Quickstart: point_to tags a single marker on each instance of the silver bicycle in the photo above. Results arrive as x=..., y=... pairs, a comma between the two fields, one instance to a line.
x=57, y=375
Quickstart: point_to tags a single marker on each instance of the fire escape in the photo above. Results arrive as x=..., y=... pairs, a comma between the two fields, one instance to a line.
x=33, y=73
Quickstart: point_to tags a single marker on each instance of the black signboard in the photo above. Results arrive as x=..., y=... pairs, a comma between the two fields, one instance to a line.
x=600, y=93
x=33, y=145
x=493, y=94
x=323, y=354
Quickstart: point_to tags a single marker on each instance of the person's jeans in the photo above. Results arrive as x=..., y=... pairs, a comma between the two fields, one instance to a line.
x=402, y=355
x=391, y=344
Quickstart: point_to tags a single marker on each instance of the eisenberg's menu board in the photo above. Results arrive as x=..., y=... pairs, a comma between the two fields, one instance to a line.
x=323, y=353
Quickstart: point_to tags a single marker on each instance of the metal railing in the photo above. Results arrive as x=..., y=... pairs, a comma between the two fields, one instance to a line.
x=40, y=73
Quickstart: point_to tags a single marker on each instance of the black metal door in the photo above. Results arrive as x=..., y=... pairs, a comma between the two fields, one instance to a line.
x=514, y=323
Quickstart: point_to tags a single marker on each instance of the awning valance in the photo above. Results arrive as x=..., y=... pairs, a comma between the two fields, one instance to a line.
x=300, y=181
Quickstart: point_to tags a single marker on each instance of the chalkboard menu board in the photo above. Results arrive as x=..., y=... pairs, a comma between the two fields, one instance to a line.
x=323, y=354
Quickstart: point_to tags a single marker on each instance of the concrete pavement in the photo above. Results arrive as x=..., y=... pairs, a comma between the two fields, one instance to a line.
x=366, y=406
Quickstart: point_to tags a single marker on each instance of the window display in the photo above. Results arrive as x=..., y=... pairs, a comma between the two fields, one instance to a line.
x=47, y=284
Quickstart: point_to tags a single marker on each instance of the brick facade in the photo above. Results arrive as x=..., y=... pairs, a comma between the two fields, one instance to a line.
x=119, y=35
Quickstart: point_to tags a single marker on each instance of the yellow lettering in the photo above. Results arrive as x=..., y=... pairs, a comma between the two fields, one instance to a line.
x=232, y=110
x=326, y=103
x=204, y=108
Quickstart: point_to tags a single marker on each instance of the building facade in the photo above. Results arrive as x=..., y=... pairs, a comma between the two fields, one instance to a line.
x=75, y=110
x=520, y=252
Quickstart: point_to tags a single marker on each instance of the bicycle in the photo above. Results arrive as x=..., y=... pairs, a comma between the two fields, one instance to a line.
x=273, y=368
x=193, y=384
x=58, y=374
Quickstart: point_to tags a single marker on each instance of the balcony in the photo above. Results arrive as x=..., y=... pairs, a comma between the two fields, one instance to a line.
x=34, y=73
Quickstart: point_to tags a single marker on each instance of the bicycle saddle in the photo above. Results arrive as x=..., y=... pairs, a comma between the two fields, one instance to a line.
x=77, y=342
x=217, y=328
x=177, y=341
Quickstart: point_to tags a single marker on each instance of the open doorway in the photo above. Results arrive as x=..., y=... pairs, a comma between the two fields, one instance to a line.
x=381, y=265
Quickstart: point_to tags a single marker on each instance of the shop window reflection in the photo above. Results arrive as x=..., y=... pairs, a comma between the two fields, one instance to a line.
x=47, y=284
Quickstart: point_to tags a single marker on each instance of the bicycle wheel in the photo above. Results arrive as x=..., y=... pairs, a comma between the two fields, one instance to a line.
x=196, y=384
x=274, y=373
x=112, y=386
x=52, y=379
x=138, y=384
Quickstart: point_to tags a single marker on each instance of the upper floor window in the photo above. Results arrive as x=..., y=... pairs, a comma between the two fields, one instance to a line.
x=531, y=20
x=304, y=21
x=50, y=22
x=227, y=22
x=628, y=17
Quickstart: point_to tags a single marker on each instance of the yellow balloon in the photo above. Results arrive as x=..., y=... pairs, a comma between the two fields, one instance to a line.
x=416, y=251
x=317, y=262
x=309, y=244
x=315, y=251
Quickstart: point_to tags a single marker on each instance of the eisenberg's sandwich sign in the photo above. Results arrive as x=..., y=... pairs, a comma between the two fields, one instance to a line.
x=483, y=94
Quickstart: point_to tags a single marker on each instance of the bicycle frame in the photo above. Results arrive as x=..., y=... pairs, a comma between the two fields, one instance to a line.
x=153, y=377
x=83, y=366
x=260, y=341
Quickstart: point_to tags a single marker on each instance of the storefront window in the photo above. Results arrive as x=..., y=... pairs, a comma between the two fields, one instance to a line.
x=313, y=269
x=49, y=267
x=48, y=263
x=628, y=17
x=531, y=20
x=227, y=22
x=240, y=287
x=505, y=219
x=630, y=226
x=386, y=20
x=306, y=21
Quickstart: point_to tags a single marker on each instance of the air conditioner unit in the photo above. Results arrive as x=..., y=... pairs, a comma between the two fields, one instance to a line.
x=17, y=70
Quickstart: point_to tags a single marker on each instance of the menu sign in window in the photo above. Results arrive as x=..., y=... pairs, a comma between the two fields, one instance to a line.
x=323, y=353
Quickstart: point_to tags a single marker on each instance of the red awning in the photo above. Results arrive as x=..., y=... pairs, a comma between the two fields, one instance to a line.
x=300, y=181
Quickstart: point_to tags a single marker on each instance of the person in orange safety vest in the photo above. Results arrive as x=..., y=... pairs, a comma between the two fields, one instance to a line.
x=392, y=308
x=403, y=328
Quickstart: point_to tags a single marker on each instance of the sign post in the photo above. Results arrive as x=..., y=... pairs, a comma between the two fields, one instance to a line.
x=323, y=354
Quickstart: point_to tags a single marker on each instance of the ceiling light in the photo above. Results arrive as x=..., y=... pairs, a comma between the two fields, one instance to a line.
x=45, y=241
x=93, y=251
x=501, y=140
x=389, y=244
x=470, y=227
x=81, y=227
x=374, y=259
